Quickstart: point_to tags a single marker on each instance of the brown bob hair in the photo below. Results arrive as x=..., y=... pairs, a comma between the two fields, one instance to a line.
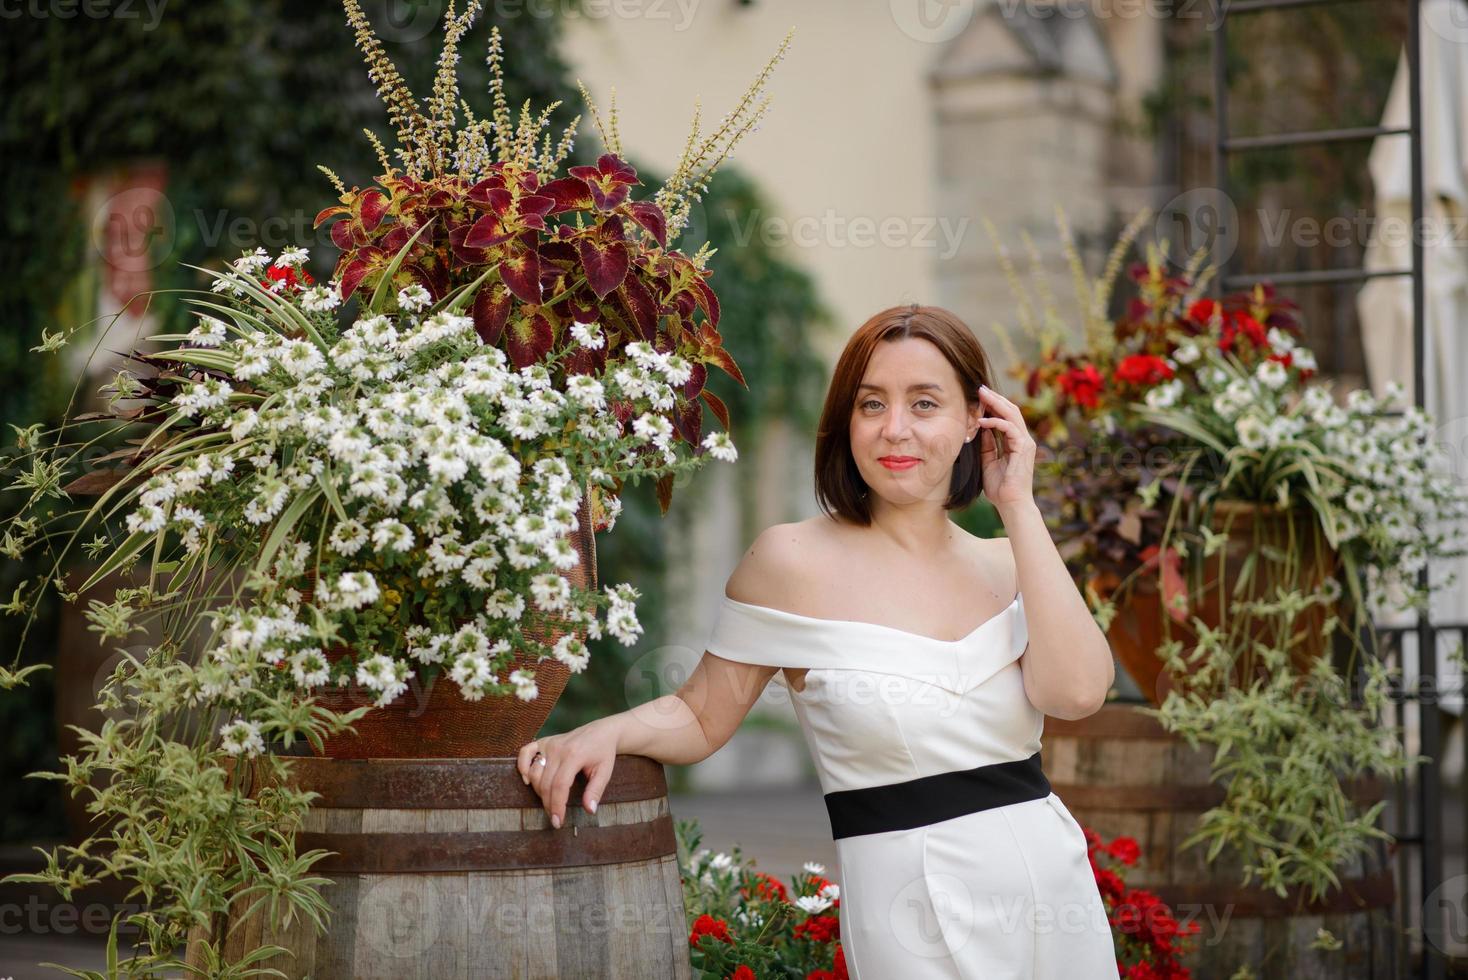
x=840, y=489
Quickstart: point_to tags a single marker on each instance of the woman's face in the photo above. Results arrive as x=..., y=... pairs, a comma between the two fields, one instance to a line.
x=910, y=421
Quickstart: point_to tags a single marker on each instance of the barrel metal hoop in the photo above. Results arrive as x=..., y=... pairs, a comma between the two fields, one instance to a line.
x=493, y=850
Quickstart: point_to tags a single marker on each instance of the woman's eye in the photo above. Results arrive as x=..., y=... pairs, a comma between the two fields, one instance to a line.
x=869, y=402
x=928, y=401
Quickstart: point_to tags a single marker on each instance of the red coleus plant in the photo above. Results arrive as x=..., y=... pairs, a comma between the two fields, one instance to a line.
x=480, y=215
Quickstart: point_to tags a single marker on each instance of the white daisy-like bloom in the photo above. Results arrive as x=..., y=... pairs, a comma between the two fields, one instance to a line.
x=348, y=537
x=384, y=675
x=1187, y=353
x=677, y=369
x=321, y=298
x=588, y=334
x=148, y=518
x=1360, y=499
x=1280, y=340
x=203, y=396
x=309, y=668
x=355, y=590
x=652, y=428
x=241, y=736
x=249, y=262
x=831, y=890
x=471, y=671
x=720, y=446
x=1303, y=358
x=392, y=535
x=1253, y=433
x=210, y=332
x=375, y=332
x=721, y=862
x=525, y=687
x=813, y=904
x=571, y=651
x=813, y=868
x=294, y=256
x=300, y=358
x=1272, y=374
x=414, y=298
x=1165, y=395
x=551, y=592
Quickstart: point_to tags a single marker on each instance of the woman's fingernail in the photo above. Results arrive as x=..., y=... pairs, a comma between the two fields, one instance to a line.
x=555, y=821
x=591, y=805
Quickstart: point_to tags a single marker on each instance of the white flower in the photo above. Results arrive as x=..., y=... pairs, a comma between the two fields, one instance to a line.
x=813, y=903
x=203, y=396
x=652, y=428
x=414, y=298
x=294, y=257
x=1272, y=374
x=321, y=299
x=811, y=867
x=210, y=332
x=720, y=446
x=385, y=675
x=1165, y=395
x=1252, y=432
x=1303, y=359
x=355, y=590
x=391, y=534
x=721, y=862
x=309, y=668
x=1186, y=353
x=251, y=261
x=301, y=358
x=572, y=652
x=525, y=687
x=1280, y=340
x=588, y=334
x=348, y=537
x=1360, y=499
x=241, y=736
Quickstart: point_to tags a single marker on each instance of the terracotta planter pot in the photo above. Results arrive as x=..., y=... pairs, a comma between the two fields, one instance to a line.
x=1142, y=623
x=435, y=721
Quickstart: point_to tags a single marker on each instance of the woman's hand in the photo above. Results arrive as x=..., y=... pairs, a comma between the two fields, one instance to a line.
x=1008, y=476
x=549, y=765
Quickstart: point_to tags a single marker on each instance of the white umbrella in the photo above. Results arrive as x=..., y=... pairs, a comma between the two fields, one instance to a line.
x=1384, y=305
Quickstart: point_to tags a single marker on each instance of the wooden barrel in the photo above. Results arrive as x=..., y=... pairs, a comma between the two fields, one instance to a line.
x=449, y=868
x=1121, y=774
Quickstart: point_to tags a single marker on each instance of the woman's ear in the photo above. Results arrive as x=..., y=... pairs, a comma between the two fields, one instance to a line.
x=975, y=412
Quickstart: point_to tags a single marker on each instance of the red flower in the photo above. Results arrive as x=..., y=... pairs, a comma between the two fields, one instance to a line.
x=819, y=928
x=707, y=925
x=1142, y=369
x=767, y=888
x=1125, y=850
x=1109, y=883
x=1236, y=323
x=1082, y=385
x=292, y=277
x=743, y=973
x=838, y=967
x=1201, y=311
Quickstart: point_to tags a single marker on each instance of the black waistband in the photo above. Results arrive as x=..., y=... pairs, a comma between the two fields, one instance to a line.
x=929, y=799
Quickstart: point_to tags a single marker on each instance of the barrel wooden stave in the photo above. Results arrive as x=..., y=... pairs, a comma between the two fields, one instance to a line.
x=611, y=918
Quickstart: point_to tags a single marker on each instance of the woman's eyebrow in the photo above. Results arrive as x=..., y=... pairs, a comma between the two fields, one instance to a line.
x=921, y=385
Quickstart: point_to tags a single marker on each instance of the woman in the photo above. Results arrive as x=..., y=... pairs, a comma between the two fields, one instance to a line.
x=921, y=662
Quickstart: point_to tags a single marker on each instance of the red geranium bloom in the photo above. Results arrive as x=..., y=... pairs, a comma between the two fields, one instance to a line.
x=1125, y=850
x=1236, y=323
x=292, y=277
x=839, y=966
x=707, y=925
x=768, y=888
x=1201, y=311
x=742, y=973
x=1142, y=369
x=1082, y=385
x=819, y=928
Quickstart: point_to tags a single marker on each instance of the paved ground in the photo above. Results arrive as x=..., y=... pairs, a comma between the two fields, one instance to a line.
x=779, y=829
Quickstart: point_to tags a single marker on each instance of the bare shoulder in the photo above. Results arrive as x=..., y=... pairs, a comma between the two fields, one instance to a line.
x=779, y=560
x=995, y=559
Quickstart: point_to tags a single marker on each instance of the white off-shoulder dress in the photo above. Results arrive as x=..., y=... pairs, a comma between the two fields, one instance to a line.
x=956, y=859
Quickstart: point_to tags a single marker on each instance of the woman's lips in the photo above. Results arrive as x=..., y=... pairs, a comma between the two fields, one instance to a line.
x=898, y=462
